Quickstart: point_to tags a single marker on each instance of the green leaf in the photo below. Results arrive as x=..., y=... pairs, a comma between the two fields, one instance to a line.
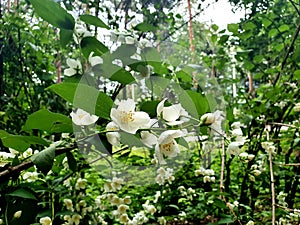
x=22, y=193
x=65, y=36
x=19, y=142
x=54, y=14
x=297, y=74
x=248, y=65
x=91, y=44
x=48, y=121
x=145, y=27
x=258, y=58
x=157, y=84
x=124, y=52
x=284, y=28
x=219, y=203
x=200, y=102
x=44, y=159
x=223, y=39
x=93, y=20
x=85, y=97
x=233, y=27
x=183, y=76
x=149, y=107
x=249, y=26
x=130, y=140
x=226, y=220
x=266, y=22
x=122, y=76
x=214, y=38
x=150, y=54
x=272, y=33
x=215, y=27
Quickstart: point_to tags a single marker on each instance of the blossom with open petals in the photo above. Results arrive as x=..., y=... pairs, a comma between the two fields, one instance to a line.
x=173, y=115
x=166, y=145
x=75, y=67
x=83, y=118
x=127, y=118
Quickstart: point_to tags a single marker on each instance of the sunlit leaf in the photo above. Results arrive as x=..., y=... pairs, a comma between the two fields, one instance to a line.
x=54, y=14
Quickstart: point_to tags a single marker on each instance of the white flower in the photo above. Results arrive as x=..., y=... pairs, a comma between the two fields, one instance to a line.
x=5, y=156
x=167, y=146
x=95, y=60
x=208, y=118
x=126, y=117
x=162, y=221
x=256, y=172
x=127, y=200
x=113, y=137
x=122, y=208
x=46, y=220
x=80, y=184
x=1, y=221
x=27, y=153
x=250, y=223
x=75, y=67
x=214, y=120
x=148, y=139
x=83, y=118
x=297, y=107
x=30, y=176
x=18, y=214
x=76, y=219
x=173, y=115
x=69, y=204
x=124, y=218
x=233, y=148
x=206, y=179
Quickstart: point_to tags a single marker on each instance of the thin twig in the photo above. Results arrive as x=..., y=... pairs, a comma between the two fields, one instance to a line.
x=288, y=209
x=15, y=170
x=268, y=128
x=222, y=169
x=284, y=125
x=288, y=164
x=290, y=49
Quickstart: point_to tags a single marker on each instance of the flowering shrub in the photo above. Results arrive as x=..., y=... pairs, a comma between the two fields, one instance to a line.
x=142, y=141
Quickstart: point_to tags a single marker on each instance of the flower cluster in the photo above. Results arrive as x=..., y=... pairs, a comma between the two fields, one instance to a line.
x=238, y=139
x=208, y=174
x=164, y=175
x=269, y=147
x=125, y=118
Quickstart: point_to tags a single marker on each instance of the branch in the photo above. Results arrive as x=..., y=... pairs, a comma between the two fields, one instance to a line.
x=15, y=170
x=290, y=49
x=222, y=169
x=268, y=128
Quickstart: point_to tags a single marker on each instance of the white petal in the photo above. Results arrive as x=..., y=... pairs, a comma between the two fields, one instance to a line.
x=148, y=138
x=169, y=135
x=141, y=119
x=160, y=107
x=69, y=72
x=208, y=118
x=94, y=60
x=113, y=138
x=174, y=123
x=159, y=155
x=171, y=113
x=126, y=105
